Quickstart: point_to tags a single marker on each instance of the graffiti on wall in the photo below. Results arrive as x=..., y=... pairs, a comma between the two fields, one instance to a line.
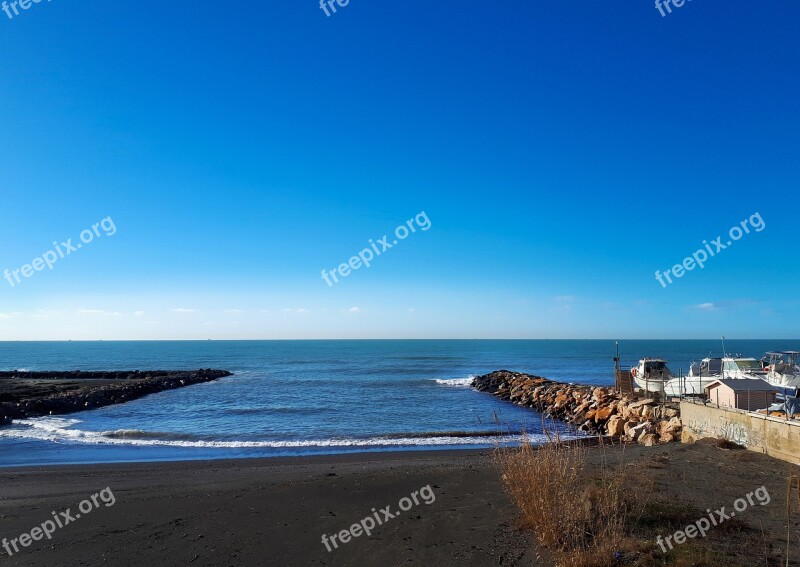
x=731, y=430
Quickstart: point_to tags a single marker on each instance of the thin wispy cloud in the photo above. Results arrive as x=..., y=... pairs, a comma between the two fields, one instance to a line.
x=183, y=310
x=354, y=309
x=723, y=305
x=98, y=312
x=291, y=310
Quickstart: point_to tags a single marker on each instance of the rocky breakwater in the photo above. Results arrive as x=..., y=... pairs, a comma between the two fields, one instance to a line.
x=34, y=394
x=595, y=410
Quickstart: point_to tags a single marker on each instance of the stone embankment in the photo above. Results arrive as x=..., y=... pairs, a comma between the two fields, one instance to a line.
x=32, y=394
x=594, y=410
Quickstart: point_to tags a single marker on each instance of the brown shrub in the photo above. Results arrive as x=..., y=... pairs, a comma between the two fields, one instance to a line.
x=580, y=523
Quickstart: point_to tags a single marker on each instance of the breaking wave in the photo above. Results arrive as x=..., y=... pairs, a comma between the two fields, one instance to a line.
x=61, y=430
x=456, y=382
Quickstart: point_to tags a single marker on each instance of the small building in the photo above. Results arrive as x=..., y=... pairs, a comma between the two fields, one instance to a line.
x=742, y=393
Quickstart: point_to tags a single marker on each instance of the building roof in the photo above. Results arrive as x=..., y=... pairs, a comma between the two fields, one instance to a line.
x=745, y=384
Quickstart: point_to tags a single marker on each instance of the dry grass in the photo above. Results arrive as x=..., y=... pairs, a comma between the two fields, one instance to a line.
x=581, y=524
x=611, y=515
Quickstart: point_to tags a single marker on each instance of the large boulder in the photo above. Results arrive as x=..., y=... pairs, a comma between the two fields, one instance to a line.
x=604, y=413
x=673, y=426
x=599, y=394
x=644, y=402
x=633, y=413
x=667, y=438
x=642, y=429
x=616, y=426
x=688, y=437
x=648, y=439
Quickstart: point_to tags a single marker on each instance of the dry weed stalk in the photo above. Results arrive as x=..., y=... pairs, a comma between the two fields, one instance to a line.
x=580, y=522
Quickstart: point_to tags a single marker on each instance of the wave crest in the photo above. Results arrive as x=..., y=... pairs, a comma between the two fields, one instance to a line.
x=58, y=430
x=456, y=382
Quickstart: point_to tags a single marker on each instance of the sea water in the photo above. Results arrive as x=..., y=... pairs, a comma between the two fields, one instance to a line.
x=291, y=398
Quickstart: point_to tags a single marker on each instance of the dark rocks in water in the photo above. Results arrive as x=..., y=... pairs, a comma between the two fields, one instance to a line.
x=130, y=386
x=106, y=375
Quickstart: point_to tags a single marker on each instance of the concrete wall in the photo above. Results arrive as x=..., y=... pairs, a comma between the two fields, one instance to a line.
x=773, y=436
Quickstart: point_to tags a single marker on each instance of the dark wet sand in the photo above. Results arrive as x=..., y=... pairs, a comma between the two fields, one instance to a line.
x=268, y=512
x=274, y=511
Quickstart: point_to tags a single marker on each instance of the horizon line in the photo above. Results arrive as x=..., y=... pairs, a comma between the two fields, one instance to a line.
x=387, y=339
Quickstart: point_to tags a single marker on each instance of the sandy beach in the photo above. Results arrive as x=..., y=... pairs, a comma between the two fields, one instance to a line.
x=268, y=512
x=275, y=511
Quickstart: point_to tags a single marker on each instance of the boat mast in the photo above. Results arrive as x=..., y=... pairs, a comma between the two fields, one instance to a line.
x=724, y=354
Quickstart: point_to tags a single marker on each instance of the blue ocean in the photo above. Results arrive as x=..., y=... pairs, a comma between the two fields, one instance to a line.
x=290, y=398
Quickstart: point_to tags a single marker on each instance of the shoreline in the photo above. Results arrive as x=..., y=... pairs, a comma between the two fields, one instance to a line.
x=412, y=453
x=270, y=511
x=279, y=461
x=274, y=511
x=310, y=458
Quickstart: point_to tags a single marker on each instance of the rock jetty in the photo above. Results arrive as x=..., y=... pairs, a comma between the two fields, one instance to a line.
x=596, y=410
x=33, y=394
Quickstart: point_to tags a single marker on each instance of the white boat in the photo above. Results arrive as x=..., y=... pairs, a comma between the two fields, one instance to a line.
x=783, y=373
x=706, y=368
x=783, y=370
x=652, y=375
x=742, y=367
x=701, y=374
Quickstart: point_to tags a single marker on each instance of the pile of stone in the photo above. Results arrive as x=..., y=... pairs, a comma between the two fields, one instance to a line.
x=91, y=390
x=595, y=410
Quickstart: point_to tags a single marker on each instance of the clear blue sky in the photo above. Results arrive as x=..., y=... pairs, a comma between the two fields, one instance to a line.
x=563, y=152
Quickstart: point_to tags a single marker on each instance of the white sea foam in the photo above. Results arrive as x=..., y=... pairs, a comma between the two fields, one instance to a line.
x=47, y=423
x=456, y=382
x=60, y=430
